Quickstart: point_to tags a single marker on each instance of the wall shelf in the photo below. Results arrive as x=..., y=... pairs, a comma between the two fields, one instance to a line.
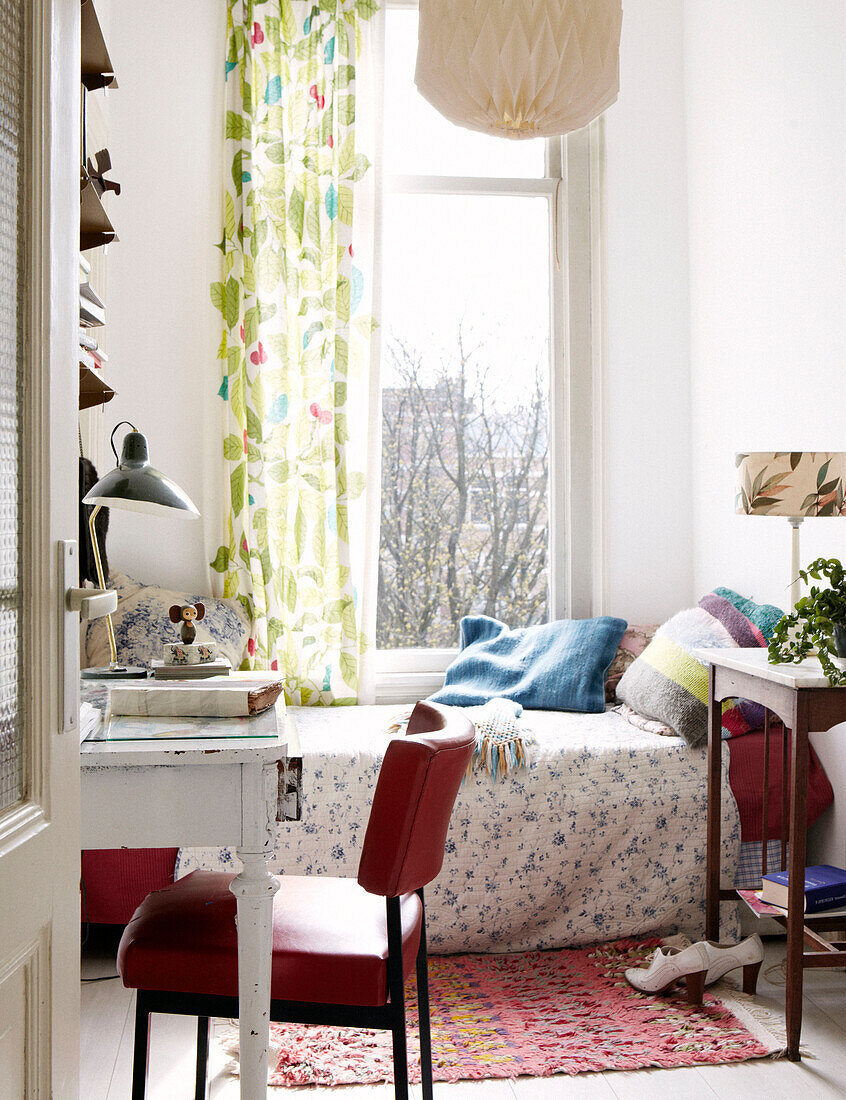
x=97, y=69
x=95, y=229
x=93, y=390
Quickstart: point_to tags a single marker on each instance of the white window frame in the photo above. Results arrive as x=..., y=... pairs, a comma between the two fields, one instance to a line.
x=572, y=186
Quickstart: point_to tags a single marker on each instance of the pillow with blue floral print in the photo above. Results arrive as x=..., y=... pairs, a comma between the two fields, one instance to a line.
x=142, y=624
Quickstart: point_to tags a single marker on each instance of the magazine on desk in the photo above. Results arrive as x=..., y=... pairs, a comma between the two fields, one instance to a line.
x=122, y=727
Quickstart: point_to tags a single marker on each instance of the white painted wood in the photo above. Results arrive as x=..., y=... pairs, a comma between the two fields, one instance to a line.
x=660, y=1084
x=472, y=1090
x=25, y=1021
x=805, y=674
x=215, y=792
x=584, y=1086
x=198, y=780
x=39, y=837
x=105, y=1018
x=203, y=806
x=575, y=485
x=194, y=751
x=254, y=887
x=69, y=685
x=13, y=1037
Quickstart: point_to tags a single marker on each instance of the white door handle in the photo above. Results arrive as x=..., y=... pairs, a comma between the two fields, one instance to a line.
x=91, y=603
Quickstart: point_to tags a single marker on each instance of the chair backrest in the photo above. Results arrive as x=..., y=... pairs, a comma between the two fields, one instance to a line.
x=416, y=790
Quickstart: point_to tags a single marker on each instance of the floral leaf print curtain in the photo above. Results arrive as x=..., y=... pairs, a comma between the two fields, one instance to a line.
x=296, y=301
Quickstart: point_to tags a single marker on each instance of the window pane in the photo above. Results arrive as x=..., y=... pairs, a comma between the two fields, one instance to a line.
x=465, y=378
x=420, y=141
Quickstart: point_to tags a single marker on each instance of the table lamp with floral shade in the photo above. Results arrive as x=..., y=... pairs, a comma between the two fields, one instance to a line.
x=794, y=485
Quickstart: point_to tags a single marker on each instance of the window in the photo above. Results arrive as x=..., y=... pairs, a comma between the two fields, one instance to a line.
x=474, y=446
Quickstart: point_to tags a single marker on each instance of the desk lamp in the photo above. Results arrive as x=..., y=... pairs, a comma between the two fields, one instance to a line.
x=793, y=484
x=135, y=486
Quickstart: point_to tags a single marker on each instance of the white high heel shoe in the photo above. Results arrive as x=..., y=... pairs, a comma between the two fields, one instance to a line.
x=723, y=957
x=667, y=966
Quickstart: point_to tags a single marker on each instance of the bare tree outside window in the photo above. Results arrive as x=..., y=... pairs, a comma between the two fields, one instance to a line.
x=468, y=295
x=464, y=526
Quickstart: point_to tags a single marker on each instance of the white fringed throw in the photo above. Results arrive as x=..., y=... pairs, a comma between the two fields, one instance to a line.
x=501, y=738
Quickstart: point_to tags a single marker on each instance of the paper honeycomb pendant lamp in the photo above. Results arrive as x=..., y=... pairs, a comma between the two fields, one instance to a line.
x=519, y=68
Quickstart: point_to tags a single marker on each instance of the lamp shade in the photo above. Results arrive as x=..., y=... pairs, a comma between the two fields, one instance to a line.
x=136, y=486
x=535, y=68
x=791, y=483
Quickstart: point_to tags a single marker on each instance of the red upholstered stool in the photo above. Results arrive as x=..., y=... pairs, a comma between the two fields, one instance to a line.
x=341, y=953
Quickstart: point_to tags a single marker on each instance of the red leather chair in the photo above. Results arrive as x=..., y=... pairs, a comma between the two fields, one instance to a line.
x=340, y=956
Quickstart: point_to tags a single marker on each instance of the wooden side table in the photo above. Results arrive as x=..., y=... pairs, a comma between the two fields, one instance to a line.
x=802, y=697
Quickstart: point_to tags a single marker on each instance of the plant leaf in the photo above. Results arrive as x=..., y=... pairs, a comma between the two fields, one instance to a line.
x=237, y=486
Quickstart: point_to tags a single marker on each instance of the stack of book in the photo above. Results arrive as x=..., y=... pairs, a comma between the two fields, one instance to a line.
x=242, y=705
x=93, y=389
x=825, y=892
x=90, y=353
x=219, y=667
x=92, y=308
x=237, y=696
x=825, y=889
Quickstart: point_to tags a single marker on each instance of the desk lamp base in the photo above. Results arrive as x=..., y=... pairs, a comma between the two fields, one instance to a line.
x=119, y=672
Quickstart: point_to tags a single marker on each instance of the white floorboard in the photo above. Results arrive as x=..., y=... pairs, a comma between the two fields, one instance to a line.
x=583, y=1086
x=106, y=1055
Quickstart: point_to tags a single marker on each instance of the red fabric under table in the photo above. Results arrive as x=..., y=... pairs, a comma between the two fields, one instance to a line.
x=746, y=772
x=116, y=881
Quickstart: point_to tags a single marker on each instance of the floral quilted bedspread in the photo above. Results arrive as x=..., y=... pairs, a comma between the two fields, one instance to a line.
x=601, y=837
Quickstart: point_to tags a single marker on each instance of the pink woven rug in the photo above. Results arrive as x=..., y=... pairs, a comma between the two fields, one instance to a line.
x=537, y=1013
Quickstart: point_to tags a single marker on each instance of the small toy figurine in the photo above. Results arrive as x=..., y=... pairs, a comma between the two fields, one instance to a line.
x=186, y=614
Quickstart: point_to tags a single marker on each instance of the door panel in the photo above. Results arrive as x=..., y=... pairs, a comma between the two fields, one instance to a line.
x=24, y=997
x=39, y=765
x=13, y=1001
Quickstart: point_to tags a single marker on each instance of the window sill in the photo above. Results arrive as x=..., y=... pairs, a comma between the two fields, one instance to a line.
x=406, y=687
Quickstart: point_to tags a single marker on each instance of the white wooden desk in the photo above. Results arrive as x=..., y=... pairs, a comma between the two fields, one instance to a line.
x=162, y=794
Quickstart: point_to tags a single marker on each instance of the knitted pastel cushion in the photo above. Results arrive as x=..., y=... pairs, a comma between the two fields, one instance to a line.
x=667, y=684
x=554, y=666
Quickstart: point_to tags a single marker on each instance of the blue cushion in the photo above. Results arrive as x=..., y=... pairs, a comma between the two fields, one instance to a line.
x=555, y=666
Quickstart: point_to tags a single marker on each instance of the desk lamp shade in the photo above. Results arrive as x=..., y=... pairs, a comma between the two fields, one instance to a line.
x=134, y=486
x=792, y=484
x=537, y=68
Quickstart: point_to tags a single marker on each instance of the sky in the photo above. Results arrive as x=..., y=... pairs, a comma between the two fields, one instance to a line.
x=479, y=261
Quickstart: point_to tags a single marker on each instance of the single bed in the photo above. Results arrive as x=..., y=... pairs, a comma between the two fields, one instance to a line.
x=602, y=836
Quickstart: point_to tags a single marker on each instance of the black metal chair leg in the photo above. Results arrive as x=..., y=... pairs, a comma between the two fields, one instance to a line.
x=203, y=1041
x=423, y=1008
x=141, y=1051
x=396, y=987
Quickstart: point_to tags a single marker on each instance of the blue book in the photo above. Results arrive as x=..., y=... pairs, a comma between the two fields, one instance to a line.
x=825, y=888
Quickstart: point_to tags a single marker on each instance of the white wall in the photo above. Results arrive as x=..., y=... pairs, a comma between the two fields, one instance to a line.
x=766, y=126
x=165, y=128
x=647, y=381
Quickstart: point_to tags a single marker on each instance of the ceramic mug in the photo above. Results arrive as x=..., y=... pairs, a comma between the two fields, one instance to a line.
x=177, y=653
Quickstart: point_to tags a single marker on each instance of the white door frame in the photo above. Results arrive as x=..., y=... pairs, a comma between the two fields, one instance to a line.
x=39, y=838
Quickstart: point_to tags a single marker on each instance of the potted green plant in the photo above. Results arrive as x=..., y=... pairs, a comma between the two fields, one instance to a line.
x=817, y=624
